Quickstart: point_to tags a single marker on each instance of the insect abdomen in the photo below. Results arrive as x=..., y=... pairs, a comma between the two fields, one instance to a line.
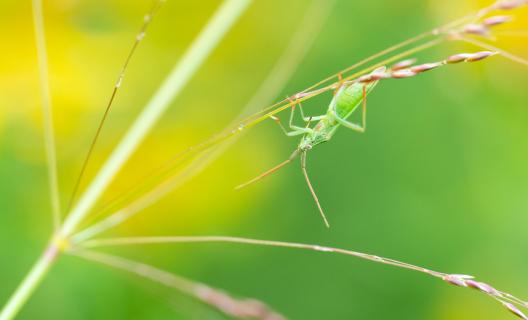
x=348, y=99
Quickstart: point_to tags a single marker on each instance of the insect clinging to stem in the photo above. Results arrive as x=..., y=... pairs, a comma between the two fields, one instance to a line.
x=346, y=101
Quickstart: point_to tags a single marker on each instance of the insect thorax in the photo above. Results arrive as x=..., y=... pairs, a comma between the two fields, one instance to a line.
x=314, y=138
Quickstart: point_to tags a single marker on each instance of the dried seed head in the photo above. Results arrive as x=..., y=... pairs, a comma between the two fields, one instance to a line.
x=403, y=64
x=478, y=29
x=238, y=308
x=403, y=73
x=375, y=75
x=455, y=280
x=425, y=67
x=513, y=309
x=484, y=287
x=461, y=57
x=469, y=57
x=365, y=79
x=509, y=4
x=473, y=284
x=379, y=72
x=463, y=276
x=496, y=20
x=480, y=55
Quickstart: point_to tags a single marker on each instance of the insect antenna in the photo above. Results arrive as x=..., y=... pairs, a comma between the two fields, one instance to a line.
x=312, y=191
x=270, y=171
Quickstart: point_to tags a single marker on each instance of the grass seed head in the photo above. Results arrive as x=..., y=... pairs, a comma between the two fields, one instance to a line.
x=496, y=20
x=403, y=64
x=513, y=309
x=510, y=4
x=426, y=67
x=484, y=287
x=476, y=28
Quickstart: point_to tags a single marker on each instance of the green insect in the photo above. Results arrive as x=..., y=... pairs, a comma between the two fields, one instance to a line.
x=345, y=102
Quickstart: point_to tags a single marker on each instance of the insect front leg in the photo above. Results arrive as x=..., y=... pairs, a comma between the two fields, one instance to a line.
x=310, y=118
x=356, y=127
x=286, y=132
x=296, y=131
x=297, y=128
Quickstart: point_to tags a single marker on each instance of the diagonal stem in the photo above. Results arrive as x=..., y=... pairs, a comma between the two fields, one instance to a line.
x=30, y=282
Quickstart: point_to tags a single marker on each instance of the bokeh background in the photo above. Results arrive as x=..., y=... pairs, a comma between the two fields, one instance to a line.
x=439, y=179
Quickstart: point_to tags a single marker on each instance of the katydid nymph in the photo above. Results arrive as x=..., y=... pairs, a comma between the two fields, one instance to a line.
x=345, y=102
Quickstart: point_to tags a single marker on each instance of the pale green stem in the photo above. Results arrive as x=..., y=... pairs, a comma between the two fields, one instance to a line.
x=462, y=280
x=302, y=40
x=258, y=242
x=30, y=282
x=47, y=111
x=208, y=39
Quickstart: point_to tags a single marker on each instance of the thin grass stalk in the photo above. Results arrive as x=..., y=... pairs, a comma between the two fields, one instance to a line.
x=47, y=111
x=30, y=282
x=139, y=37
x=125, y=241
x=507, y=300
x=217, y=27
x=239, y=308
x=284, y=68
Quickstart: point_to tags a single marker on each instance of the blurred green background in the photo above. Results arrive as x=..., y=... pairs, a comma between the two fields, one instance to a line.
x=439, y=179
